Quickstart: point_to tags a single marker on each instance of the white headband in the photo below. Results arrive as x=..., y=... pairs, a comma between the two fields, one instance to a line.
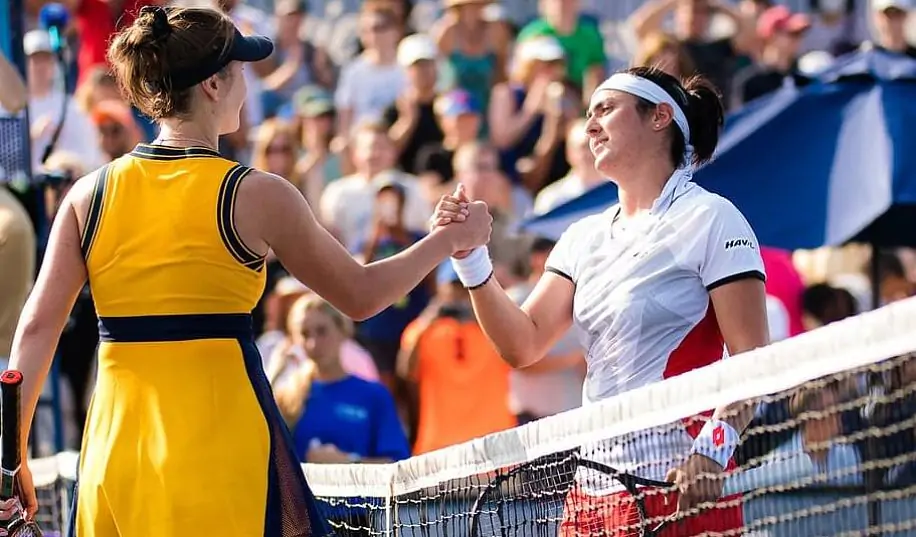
x=652, y=92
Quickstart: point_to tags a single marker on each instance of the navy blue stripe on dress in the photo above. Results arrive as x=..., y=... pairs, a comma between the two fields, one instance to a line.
x=155, y=328
x=161, y=152
x=95, y=211
x=291, y=510
x=228, y=191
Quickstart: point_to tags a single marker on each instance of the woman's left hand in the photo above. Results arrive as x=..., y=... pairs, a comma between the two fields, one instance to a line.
x=699, y=480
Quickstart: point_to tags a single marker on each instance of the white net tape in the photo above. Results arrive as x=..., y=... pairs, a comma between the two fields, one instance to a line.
x=860, y=479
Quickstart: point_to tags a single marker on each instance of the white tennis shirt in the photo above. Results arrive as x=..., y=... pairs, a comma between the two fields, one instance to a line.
x=642, y=303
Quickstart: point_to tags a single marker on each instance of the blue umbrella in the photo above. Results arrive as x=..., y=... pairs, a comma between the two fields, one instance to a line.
x=820, y=165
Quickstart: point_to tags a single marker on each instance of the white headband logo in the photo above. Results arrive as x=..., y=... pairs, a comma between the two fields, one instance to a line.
x=652, y=92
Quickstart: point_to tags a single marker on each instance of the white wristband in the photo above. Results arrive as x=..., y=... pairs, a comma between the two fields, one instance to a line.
x=717, y=441
x=475, y=269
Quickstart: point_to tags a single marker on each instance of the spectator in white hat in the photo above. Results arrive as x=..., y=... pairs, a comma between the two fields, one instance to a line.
x=890, y=18
x=78, y=134
x=521, y=107
x=412, y=117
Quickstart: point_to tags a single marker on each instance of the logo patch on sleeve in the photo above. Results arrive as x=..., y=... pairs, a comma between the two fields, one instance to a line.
x=740, y=243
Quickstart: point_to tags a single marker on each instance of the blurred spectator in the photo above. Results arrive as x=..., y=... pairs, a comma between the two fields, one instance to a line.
x=283, y=293
x=714, y=57
x=894, y=284
x=347, y=203
x=374, y=79
x=890, y=18
x=781, y=32
x=477, y=168
x=318, y=165
x=297, y=62
x=17, y=257
x=519, y=108
x=784, y=283
x=381, y=334
x=336, y=417
x=14, y=95
x=474, y=50
x=554, y=384
x=459, y=115
x=444, y=357
x=96, y=22
x=582, y=175
x=78, y=134
x=823, y=304
x=664, y=52
x=413, y=118
x=276, y=150
x=835, y=27
x=100, y=86
x=118, y=130
x=579, y=37
x=288, y=355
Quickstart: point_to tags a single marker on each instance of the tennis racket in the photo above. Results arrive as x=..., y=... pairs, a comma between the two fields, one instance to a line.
x=630, y=482
x=11, y=459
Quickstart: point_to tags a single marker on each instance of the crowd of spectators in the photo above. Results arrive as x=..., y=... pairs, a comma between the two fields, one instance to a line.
x=373, y=140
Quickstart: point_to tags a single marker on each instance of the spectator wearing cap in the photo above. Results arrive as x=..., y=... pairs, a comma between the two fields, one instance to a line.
x=459, y=115
x=716, y=58
x=346, y=206
x=457, y=384
x=412, y=117
x=475, y=50
x=78, y=134
x=118, y=130
x=781, y=33
x=579, y=37
x=582, y=175
x=318, y=165
x=521, y=107
x=381, y=334
x=373, y=80
x=554, y=384
x=890, y=18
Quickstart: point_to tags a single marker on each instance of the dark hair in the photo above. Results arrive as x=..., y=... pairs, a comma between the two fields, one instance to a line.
x=827, y=303
x=890, y=265
x=699, y=99
x=162, y=41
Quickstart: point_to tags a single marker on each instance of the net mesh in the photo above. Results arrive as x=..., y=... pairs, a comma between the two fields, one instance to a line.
x=830, y=451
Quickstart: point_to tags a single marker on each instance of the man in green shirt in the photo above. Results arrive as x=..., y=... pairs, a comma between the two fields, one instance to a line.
x=578, y=35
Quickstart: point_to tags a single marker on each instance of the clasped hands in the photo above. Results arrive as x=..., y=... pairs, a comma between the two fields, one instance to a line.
x=467, y=223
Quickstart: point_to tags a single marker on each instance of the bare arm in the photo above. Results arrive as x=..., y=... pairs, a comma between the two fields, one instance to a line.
x=523, y=335
x=740, y=309
x=745, y=39
x=506, y=124
x=62, y=276
x=287, y=225
x=649, y=17
x=14, y=96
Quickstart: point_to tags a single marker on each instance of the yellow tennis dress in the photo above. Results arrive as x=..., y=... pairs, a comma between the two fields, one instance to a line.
x=183, y=436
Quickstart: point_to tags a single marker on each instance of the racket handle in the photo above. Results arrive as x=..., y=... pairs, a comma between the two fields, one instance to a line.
x=10, y=460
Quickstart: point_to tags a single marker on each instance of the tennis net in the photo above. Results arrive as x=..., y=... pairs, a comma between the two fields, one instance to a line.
x=830, y=451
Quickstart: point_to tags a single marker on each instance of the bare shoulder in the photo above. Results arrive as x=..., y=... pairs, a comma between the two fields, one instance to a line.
x=264, y=186
x=80, y=196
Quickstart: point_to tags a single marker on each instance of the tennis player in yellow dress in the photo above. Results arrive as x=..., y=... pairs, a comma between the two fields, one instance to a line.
x=183, y=436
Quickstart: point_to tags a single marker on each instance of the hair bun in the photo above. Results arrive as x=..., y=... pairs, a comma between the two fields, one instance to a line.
x=160, y=21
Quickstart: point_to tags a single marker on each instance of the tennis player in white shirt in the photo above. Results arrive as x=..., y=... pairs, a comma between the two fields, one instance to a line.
x=657, y=284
